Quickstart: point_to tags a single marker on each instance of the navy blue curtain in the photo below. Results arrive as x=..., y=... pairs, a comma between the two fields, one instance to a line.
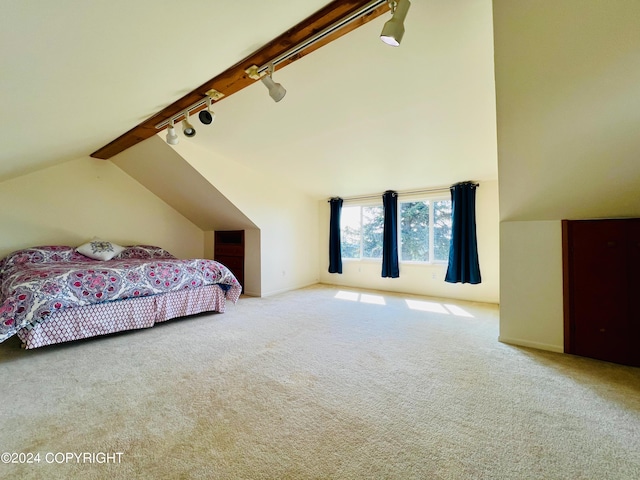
x=335, y=254
x=463, y=251
x=390, y=266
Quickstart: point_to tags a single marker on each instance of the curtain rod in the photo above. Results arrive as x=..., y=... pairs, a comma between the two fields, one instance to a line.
x=406, y=192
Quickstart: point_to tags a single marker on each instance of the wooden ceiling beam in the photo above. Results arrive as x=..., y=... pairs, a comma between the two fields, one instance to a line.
x=235, y=78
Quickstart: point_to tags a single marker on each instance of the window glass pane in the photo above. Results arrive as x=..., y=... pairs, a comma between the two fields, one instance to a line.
x=414, y=231
x=350, y=232
x=441, y=229
x=372, y=226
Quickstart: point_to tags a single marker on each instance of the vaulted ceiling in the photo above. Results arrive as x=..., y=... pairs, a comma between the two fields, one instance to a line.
x=359, y=116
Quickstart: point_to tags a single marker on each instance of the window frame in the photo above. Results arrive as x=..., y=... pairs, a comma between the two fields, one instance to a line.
x=431, y=199
x=371, y=203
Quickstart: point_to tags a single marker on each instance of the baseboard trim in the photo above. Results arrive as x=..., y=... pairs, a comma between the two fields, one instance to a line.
x=288, y=289
x=249, y=293
x=526, y=343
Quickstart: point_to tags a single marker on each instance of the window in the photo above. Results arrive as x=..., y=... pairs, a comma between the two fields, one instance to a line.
x=361, y=231
x=424, y=229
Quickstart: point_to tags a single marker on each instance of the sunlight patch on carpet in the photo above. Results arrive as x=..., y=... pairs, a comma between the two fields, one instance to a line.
x=351, y=296
x=457, y=311
x=360, y=297
x=434, y=307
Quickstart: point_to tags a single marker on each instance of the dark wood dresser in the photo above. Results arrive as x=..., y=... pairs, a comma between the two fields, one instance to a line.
x=229, y=250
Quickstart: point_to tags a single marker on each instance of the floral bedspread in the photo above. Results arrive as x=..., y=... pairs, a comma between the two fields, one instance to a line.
x=37, y=281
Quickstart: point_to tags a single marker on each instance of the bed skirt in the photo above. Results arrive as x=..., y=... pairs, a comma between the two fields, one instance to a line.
x=131, y=314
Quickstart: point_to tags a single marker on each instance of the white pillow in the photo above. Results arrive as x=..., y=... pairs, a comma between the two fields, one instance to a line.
x=99, y=249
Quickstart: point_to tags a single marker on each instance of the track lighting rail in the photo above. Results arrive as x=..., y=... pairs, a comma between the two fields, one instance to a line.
x=331, y=22
x=213, y=94
x=370, y=7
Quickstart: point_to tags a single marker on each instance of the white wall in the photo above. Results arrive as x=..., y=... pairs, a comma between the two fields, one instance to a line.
x=252, y=263
x=209, y=244
x=426, y=279
x=286, y=218
x=69, y=203
x=568, y=111
x=531, y=284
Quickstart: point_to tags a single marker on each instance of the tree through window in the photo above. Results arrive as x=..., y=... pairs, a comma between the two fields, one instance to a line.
x=424, y=231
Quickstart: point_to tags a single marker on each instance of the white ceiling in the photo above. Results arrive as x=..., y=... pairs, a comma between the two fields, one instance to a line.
x=359, y=116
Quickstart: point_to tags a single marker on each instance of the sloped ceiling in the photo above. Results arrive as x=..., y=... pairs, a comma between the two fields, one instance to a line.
x=359, y=117
x=165, y=173
x=568, y=109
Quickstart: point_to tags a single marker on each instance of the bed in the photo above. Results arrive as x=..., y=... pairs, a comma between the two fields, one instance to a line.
x=54, y=294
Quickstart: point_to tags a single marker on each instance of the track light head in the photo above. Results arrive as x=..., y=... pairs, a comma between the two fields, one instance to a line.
x=187, y=128
x=276, y=90
x=207, y=116
x=393, y=30
x=172, y=136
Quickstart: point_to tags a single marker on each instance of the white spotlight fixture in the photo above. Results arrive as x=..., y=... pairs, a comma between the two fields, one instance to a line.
x=187, y=128
x=276, y=91
x=207, y=116
x=393, y=30
x=172, y=136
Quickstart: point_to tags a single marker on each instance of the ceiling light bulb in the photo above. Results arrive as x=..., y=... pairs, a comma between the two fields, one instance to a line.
x=172, y=136
x=276, y=90
x=187, y=128
x=393, y=30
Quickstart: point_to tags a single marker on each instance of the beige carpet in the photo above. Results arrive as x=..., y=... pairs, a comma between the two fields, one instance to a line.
x=320, y=383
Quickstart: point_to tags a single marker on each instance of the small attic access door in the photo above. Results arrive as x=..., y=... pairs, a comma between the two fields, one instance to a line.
x=601, y=265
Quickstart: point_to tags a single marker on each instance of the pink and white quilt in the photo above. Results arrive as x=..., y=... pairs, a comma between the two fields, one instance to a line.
x=37, y=281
